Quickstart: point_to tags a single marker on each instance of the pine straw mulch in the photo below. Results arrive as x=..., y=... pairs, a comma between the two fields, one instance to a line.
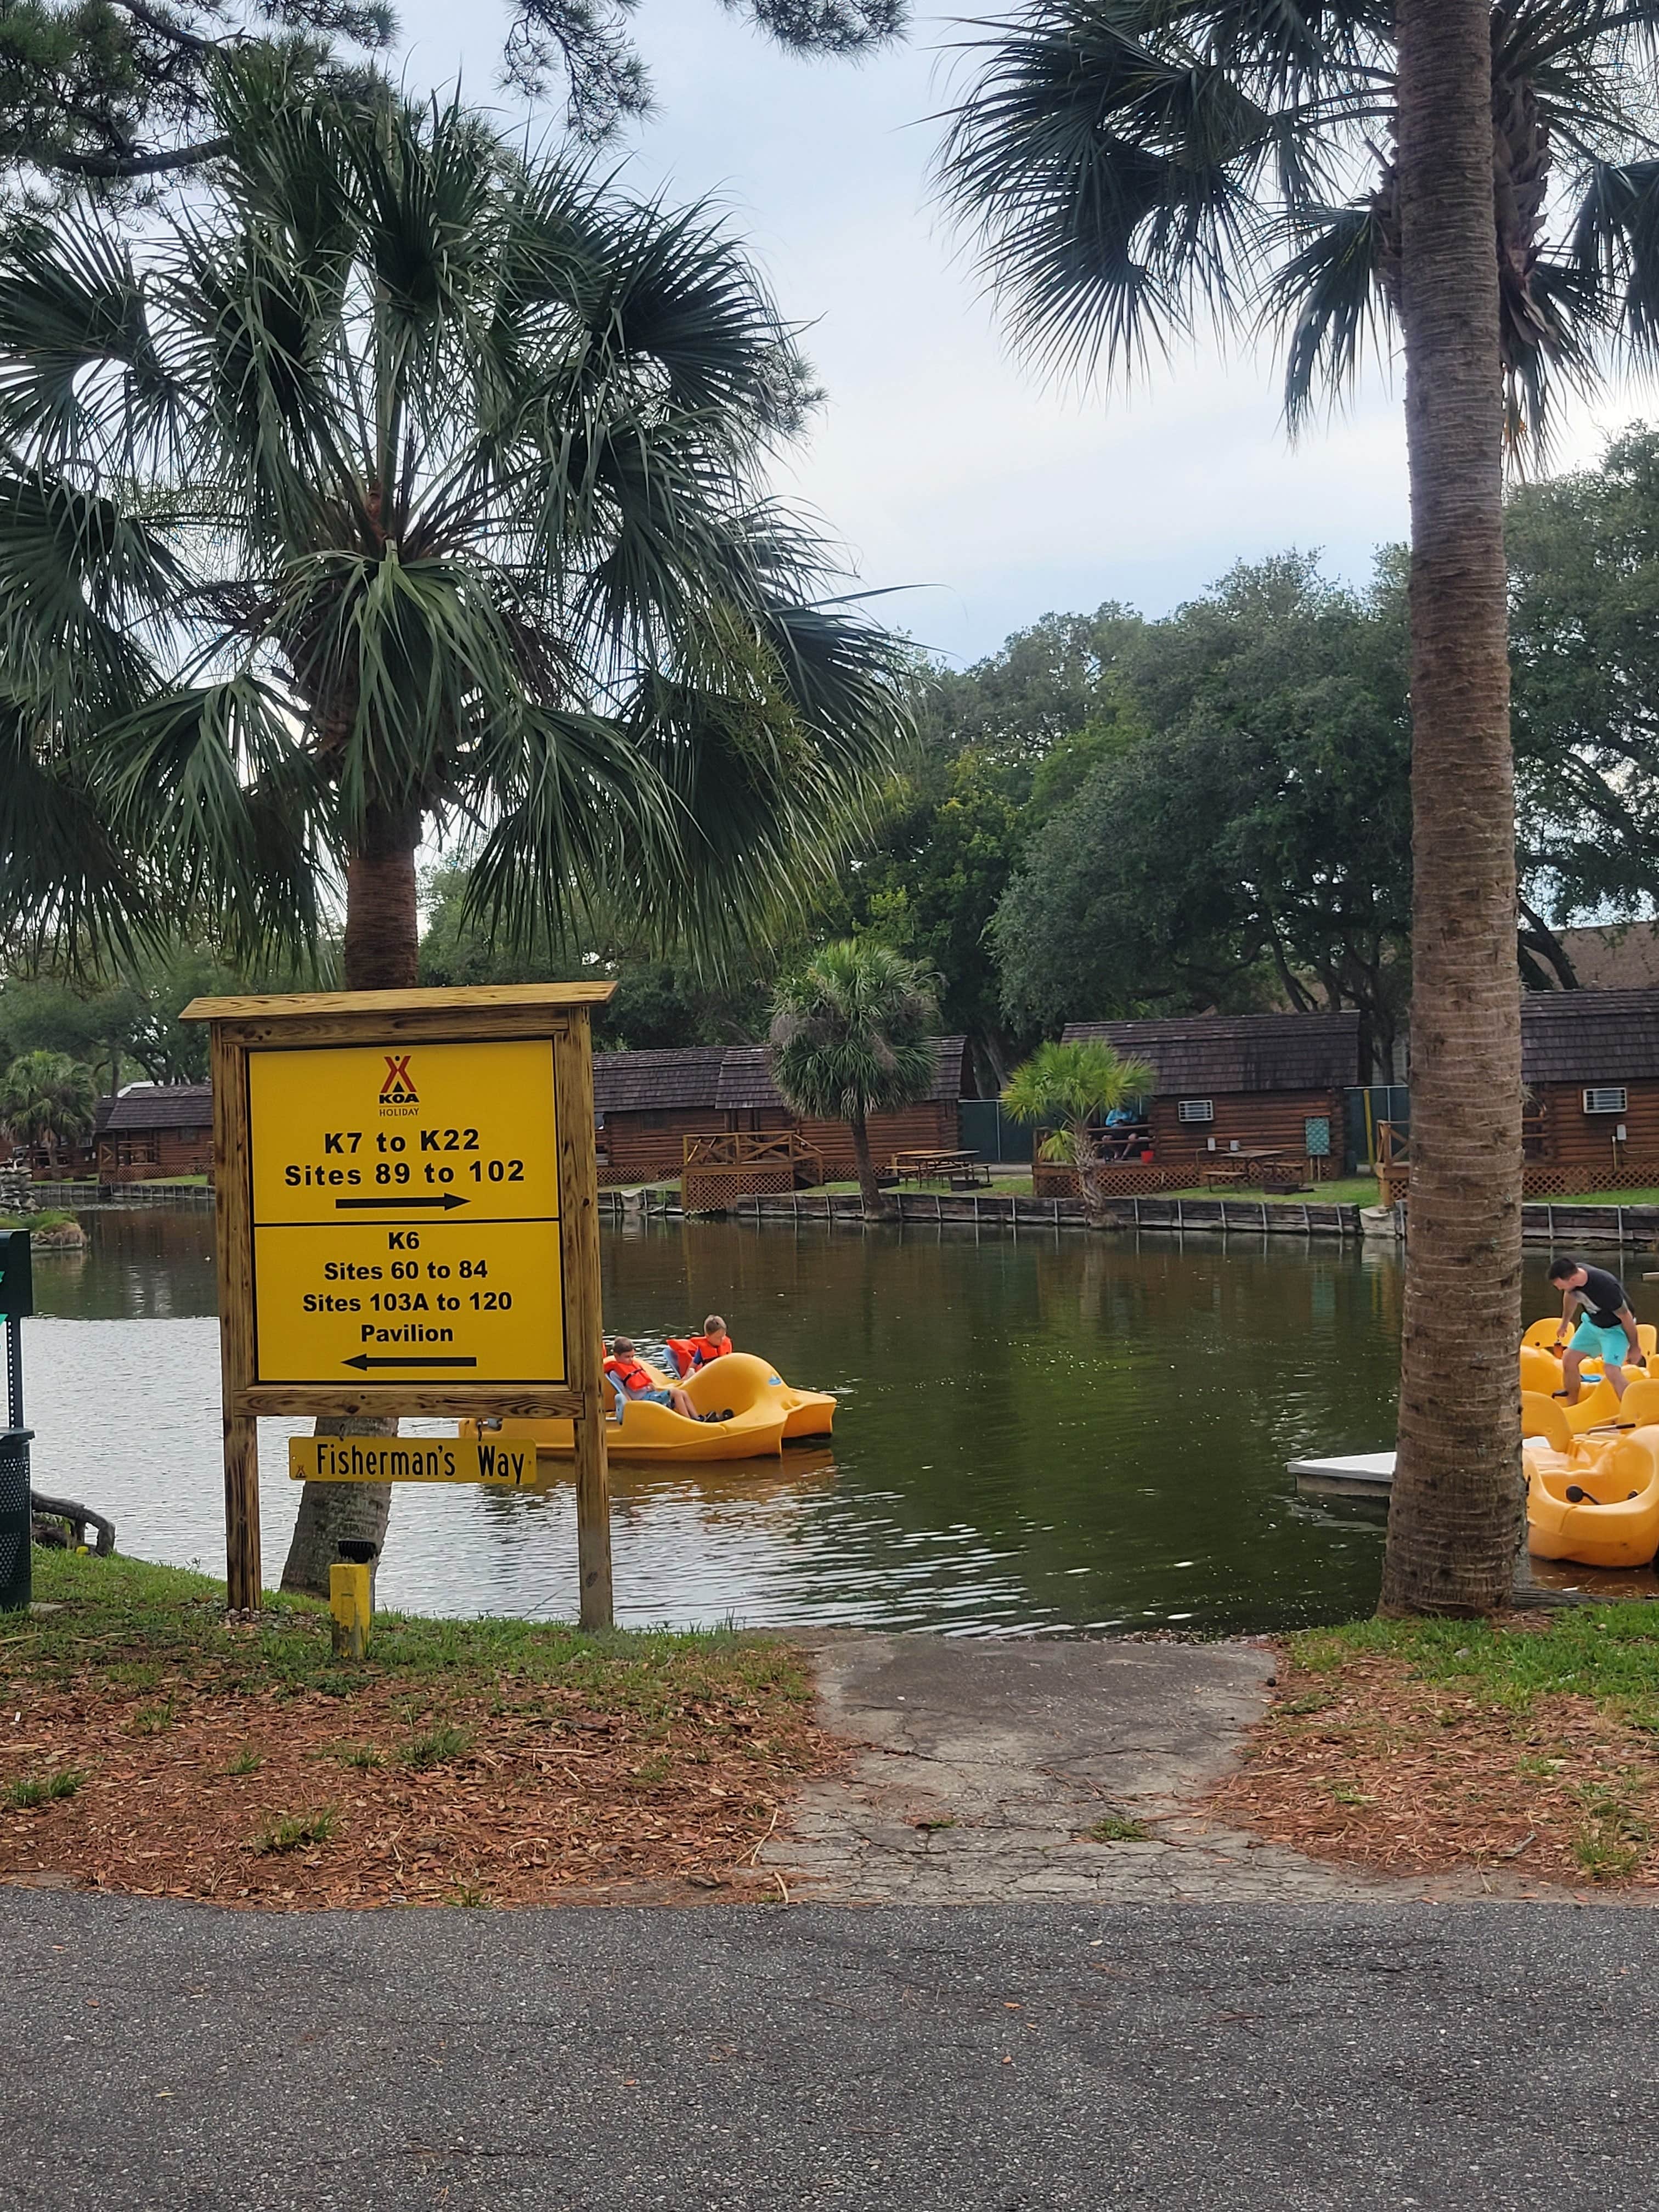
x=244, y=1768
x=1372, y=1758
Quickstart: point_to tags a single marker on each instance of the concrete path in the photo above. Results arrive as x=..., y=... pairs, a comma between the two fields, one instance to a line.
x=1324, y=2057
x=982, y=1765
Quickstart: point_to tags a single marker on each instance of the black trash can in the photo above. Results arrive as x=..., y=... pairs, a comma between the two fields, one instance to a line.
x=16, y=1529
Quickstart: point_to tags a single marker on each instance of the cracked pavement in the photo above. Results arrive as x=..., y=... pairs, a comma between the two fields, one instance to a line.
x=981, y=1765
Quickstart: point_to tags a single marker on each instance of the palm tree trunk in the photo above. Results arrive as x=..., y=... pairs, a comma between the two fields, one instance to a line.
x=1457, y=1513
x=870, y=1190
x=381, y=953
x=382, y=929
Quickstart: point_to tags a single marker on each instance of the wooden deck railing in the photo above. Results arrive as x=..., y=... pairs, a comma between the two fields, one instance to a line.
x=1393, y=1162
x=743, y=1163
x=733, y=1148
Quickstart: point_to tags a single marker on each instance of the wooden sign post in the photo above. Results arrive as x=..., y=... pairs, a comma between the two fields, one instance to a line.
x=408, y=1222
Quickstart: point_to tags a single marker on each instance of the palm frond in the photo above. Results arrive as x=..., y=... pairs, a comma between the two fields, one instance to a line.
x=210, y=783
x=1111, y=187
x=82, y=581
x=68, y=881
x=670, y=293
x=72, y=305
x=1615, y=256
x=1075, y=1085
x=1327, y=304
x=574, y=814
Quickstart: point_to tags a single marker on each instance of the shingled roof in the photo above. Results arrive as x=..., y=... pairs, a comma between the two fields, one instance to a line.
x=746, y=1076
x=156, y=1106
x=735, y=1077
x=1590, y=1036
x=746, y=1079
x=650, y=1082
x=1198, y=1054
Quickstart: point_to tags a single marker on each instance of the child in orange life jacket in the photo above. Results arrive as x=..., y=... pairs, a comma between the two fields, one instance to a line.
x=695, y=1352
x=630, y=1379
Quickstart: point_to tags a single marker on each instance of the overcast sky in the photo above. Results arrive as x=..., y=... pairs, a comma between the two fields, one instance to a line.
x=940, y=461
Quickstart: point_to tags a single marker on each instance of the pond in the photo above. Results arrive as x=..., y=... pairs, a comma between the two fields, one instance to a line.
x=1060, y=1431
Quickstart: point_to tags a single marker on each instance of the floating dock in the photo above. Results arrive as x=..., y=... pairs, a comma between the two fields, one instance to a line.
x=1358, y=1474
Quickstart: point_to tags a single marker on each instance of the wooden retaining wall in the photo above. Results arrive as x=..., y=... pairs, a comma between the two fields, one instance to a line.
x=1566, y=1227
x=1562, y=1227
x=988, y=1210
x=53, y=1196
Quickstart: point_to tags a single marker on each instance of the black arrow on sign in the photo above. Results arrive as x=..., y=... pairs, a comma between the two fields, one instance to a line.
x=402, y=1203
x=362, y=1361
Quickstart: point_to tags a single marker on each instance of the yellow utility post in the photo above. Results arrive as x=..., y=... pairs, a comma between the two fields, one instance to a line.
x=351, y=1600
x=408, y=1223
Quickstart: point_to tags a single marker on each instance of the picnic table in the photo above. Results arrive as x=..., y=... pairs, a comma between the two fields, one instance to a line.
x=962, y=1170
x=1267, y=1166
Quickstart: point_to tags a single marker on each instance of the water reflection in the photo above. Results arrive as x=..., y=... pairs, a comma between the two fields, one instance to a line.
x=1058, y=1431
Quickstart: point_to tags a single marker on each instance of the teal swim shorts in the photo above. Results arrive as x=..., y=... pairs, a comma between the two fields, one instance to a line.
x=1606, y=1344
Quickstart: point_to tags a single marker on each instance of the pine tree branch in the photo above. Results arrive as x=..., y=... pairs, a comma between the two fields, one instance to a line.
x=67, y=162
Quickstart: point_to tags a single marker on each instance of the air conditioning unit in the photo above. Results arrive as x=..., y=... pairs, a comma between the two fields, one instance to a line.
x=1610, y=1098
x=1195, y=1109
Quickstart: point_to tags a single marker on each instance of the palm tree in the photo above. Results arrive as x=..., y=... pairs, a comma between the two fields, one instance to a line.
x=1484, y=179
x=414, y=484
x=49, y=1099
x=1074, y=1086
x=850, y=1037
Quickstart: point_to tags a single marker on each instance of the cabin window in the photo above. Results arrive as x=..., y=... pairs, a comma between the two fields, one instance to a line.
x=1317, y=1136
x=1610, y=1099
x=1195, y=1109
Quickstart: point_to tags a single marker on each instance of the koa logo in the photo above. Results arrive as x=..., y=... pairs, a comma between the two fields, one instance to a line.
x=399, y=1089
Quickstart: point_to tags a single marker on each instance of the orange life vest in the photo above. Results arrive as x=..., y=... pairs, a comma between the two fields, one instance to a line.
x=705, y=1348
x=633, y=1377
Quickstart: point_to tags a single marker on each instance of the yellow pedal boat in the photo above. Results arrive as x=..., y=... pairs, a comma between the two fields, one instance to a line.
x=765, y=1412
x=1593, y=1492
x=1541, y=1372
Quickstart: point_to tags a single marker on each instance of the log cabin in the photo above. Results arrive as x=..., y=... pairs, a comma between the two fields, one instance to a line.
x=66, y=1162
x=648, y=1104
x=1589, y=1061
x=142, y=1134
x=1276, y=1081
x=155, y=1131
x=749, y=1098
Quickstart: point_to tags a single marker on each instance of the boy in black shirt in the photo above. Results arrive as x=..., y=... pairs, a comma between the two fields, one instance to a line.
x=1606, y=1330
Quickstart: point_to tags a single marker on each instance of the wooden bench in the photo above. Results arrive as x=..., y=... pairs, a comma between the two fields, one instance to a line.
x=1223, y=1175
x=1284, y=1175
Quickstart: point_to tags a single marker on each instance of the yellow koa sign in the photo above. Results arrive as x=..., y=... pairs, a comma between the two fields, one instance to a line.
x=405, y=1215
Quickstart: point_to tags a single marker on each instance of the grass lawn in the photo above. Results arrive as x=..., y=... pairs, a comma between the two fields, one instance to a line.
x=50, y=1217
x=1415, y=1746
x=162, y=1751
x=1340, y=1190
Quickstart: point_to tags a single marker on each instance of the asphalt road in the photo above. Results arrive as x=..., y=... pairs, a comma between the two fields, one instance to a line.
x=984, y=2058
